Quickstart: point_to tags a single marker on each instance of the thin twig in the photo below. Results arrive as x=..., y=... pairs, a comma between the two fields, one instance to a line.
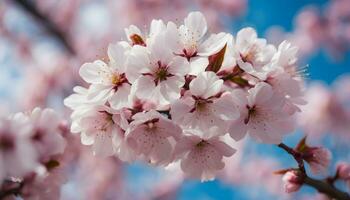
x=319, y=185
x=46, y=23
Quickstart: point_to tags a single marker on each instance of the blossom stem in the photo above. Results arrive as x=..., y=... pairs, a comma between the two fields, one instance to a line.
x=296, y=155
x=46, y=22
x=319, y=185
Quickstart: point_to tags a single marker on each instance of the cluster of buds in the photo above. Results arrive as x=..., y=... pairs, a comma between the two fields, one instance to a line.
x=171, y=95
x=318, y=158
x=31, y=146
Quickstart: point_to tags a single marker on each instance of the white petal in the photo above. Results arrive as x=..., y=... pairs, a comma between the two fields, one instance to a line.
x=94, y=72
x=238, y=129
x=226, y=108
x=261, y=93
x=196, y=24
x=213, y=44
x=198, y=65
x=120, y=98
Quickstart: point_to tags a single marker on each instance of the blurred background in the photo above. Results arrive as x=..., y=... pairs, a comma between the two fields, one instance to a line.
x=44, y=42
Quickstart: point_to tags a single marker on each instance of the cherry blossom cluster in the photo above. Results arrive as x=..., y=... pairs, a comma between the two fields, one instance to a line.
x=31, y=149
x=170, y=95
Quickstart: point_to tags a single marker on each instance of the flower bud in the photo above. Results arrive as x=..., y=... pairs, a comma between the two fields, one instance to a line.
x=292, y=181
x=343, y=170
x=318, y=158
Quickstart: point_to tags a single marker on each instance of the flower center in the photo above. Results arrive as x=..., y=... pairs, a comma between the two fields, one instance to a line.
x=118, y=79
x=251, y=113
x=202, y=144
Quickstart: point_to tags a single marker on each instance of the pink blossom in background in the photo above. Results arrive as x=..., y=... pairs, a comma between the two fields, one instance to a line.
x=327, y=110
x=316, y=28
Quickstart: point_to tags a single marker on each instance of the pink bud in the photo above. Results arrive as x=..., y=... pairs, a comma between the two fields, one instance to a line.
x=343, y=170
x=292, y=181
x=318, y=158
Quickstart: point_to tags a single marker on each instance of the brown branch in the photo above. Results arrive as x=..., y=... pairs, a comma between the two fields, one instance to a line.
x=46, y=23
x=296, y=155
x=321, y=186
x=326, y=188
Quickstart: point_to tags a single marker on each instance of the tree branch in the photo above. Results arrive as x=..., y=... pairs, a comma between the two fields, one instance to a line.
x=326, y=188
x=319, y=185
x=46, y=23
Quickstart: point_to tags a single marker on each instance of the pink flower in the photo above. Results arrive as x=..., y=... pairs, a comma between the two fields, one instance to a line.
x=262, y=115
x=46, y=135
x=189, y=41
x=292, y=181
x=153, y=136
x=108, y=81
x=318, y=158
x=98, y=129
x=205, y=106
x=253, y=52
x=343, y=170
x=157, y=75
x=17, y=153
x=202, y=157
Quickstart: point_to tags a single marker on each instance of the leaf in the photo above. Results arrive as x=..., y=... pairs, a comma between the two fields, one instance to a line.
x=302, y=146
x=215, y=61
x=240, y=81
x=283, y=171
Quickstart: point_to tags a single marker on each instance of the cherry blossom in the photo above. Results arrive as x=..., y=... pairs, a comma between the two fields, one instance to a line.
x=202, y=157
x=153, y=136
x=98, y=128
x=262, y=115
x=292, y=181
x=108, y=81
x=318, y=158
x=254, y=53
x=17, y=156
x=205, y=105
x=46, y=134
x=189, y=41
x=156, y=74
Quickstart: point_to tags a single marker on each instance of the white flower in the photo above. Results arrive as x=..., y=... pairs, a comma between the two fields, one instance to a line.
x=202, y=157
x=286, y=57
x=189, y=41
x=108, y=81
x=205, y=105
x=45, y=134
x=153, y=136
x=98, y=129
x=262, y=115
x=155, y=72
x=254, y=53
x=17, y=154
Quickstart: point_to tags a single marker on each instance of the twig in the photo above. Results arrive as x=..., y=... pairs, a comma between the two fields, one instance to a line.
x=296, y=155
x=46, y=22
x=319, y=185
